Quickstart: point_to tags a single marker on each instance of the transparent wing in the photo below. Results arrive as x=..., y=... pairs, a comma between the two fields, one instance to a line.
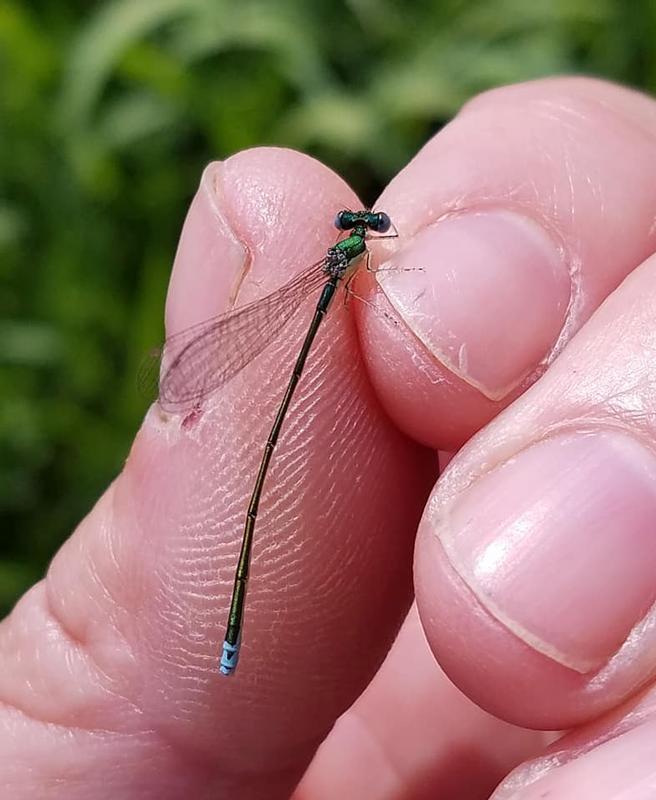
x=202, y=358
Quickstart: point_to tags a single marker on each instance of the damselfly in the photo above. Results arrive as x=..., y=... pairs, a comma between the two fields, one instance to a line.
x=201, y=359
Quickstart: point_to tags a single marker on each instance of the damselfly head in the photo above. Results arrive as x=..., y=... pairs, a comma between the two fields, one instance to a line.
x=379, y=222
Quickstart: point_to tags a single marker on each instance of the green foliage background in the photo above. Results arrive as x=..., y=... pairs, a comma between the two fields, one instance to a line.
x=108, y=113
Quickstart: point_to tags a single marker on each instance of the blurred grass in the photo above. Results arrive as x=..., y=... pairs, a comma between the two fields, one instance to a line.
x=108, y=113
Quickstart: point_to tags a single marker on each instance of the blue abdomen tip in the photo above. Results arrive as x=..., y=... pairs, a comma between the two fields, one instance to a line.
x=229, y=658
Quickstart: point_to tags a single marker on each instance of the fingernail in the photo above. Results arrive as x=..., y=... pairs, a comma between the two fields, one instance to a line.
x=559, y=544
x=209, y=262
x=489, y=299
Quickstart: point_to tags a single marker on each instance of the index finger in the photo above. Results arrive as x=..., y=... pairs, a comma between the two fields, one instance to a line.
x=140, y=592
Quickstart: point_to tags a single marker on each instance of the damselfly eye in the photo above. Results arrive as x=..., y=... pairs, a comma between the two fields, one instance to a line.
x=383, y=222
x=339, y=221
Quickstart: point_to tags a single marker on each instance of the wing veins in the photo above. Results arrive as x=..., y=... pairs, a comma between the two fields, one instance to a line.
x=205, y=356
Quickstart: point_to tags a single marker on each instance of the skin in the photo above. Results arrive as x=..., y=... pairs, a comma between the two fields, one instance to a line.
x=108, y=675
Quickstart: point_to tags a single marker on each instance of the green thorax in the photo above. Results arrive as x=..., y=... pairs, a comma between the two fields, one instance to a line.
x=354, y=245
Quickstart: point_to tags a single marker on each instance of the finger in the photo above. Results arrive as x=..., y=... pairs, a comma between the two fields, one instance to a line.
x=609, y=758
x=122, y=638
x=536, y=555
x=412, y=734
x=622, y=767
x=515, y=222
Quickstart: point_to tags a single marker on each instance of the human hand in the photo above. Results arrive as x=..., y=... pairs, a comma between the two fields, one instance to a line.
x=531, y=582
